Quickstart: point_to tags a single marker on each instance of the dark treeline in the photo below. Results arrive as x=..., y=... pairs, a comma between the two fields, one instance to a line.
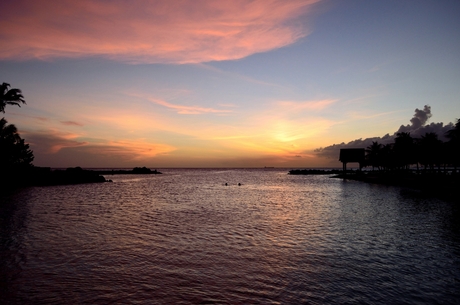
x=14, y=153
x=426, y=164
x=428, y=154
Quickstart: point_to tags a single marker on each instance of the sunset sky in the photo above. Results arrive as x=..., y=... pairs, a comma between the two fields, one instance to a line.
x=234, y=83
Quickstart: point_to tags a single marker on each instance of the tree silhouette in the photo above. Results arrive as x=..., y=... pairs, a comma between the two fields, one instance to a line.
x=14, y=153
x=10, y=97
x=454, y=133
x=404, y=149
x=373, y=155
x=430, y=150
x=387, y=157
x=453, y=145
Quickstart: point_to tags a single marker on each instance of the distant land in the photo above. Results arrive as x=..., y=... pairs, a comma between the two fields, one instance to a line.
x=45, y=176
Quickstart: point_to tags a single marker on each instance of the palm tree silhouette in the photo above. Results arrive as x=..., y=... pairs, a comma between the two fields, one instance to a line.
x=387, y=157
x=10, y=97
x=430, y=150
x=404, y=150
x=454, y=133
x=14, y=153
x=454, y=144
x=373, y=154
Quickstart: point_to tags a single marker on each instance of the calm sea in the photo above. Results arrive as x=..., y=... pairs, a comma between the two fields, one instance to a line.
x=185, y=237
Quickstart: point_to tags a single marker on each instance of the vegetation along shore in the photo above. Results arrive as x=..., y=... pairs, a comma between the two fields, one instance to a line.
x=426, y=164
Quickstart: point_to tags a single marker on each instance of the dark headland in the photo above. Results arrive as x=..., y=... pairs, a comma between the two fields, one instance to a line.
x=136, y=170
x=45, y=176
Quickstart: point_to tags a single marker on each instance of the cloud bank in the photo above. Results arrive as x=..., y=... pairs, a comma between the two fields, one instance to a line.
x=68, y=149
x=139, y=31
x=417, y=128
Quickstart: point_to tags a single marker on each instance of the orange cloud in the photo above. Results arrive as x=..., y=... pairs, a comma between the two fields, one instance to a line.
x=136, y=31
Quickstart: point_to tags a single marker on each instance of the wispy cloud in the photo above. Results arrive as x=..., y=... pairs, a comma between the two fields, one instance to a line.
x=238, y=76
x=163, y=31
x=72, y=123
x=306, y=105
x=187, y=109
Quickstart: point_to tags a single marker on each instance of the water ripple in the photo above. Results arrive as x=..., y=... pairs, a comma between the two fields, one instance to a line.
x=184, y=237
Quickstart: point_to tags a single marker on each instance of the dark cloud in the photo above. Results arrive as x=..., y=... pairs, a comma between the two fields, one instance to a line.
x=47, y=143
x=72, y=123
x=418, y=120
x=57, y=150
x=417, y=128
x=60, y=149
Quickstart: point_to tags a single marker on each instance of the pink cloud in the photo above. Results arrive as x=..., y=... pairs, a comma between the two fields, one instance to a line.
x=182, y=31
x=187, y=109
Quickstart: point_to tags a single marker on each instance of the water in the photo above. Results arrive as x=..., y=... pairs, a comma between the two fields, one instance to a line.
x=185, y=238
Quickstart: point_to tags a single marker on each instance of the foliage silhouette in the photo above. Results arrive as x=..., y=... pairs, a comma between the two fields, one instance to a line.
x=10, y=97
x=428, y=151
x=404, y=150
x=14, y=153
x=453, y=145
x=16, y=158
x=374, y=155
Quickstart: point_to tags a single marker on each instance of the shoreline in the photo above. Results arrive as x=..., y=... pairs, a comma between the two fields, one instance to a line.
x=134, y=171
x=45, y=176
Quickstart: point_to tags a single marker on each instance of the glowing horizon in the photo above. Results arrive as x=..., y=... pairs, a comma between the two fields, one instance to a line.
x=221, y=84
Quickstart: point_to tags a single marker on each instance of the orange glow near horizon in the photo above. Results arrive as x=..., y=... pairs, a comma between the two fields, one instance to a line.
x=271, y=134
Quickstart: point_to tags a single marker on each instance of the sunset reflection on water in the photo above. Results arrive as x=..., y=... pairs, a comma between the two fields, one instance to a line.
x=185, y=237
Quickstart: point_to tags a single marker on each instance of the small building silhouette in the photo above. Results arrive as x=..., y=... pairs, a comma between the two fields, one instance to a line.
x=348, y=155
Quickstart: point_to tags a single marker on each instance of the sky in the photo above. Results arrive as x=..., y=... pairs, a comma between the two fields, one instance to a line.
x=240, y=83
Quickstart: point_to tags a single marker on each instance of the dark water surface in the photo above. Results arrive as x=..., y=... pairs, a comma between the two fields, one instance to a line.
x=185, y=238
